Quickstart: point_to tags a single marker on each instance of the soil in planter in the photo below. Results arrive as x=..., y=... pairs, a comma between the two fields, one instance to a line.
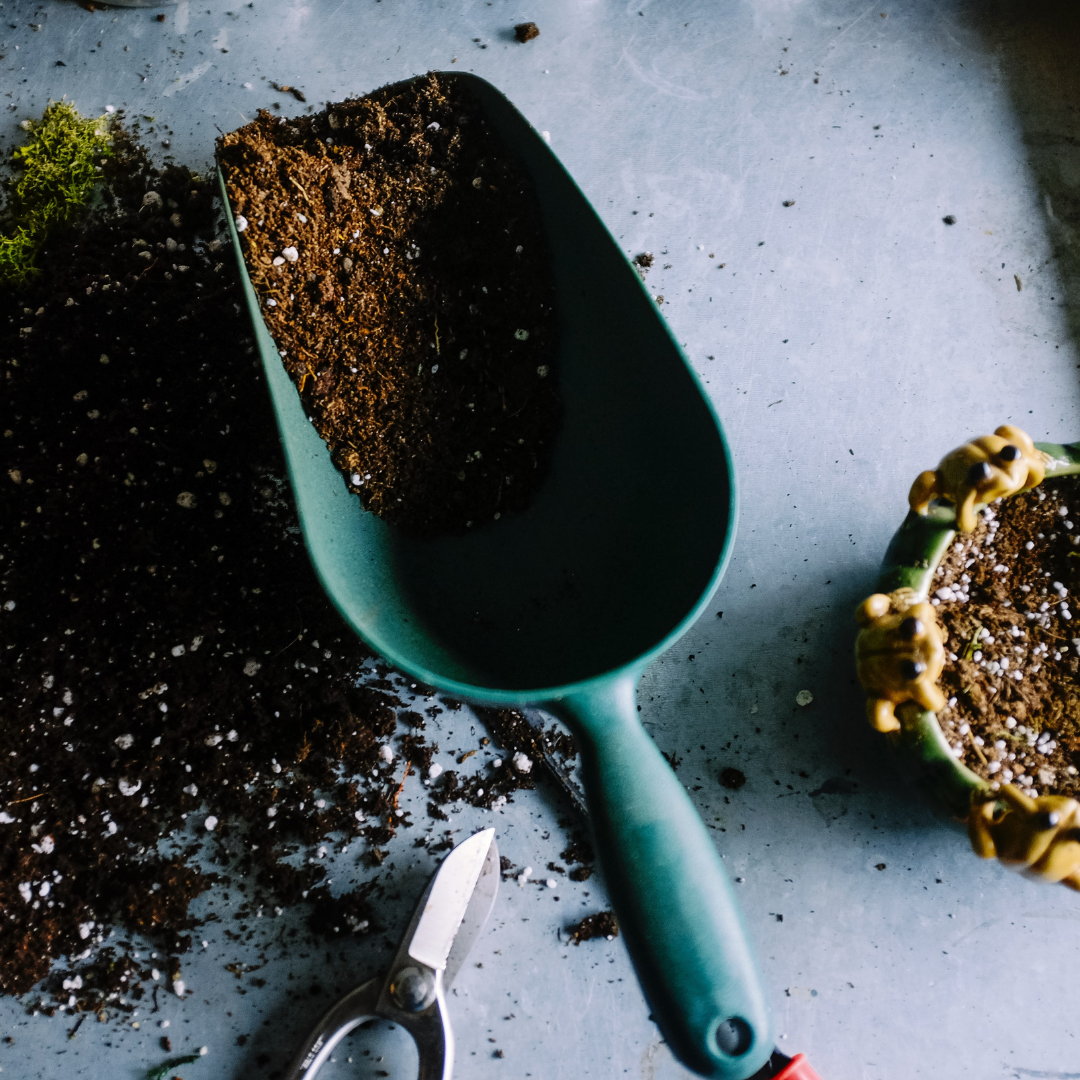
x=168, y=656
x=396, y=249
x=1004, y=594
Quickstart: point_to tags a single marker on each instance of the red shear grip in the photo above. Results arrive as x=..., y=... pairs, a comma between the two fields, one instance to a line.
x=798, y=1068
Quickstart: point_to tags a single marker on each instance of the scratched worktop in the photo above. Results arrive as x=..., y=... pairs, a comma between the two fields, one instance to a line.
x=848, y=340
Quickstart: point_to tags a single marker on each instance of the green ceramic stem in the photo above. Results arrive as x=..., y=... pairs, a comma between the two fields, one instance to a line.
x=669, y=889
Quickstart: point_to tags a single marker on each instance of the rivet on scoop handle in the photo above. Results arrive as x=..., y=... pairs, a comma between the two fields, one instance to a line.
x=671, y=894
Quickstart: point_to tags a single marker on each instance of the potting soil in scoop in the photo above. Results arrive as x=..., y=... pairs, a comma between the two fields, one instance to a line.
x=1005, y=595
x=396, y=250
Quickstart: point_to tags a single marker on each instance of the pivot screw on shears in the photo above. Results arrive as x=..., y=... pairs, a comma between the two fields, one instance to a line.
x=411, y=989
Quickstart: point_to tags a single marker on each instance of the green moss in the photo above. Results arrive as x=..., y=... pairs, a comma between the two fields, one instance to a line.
x=56, y=173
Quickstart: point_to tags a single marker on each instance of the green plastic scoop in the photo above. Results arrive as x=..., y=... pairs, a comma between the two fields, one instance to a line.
x=564, y=605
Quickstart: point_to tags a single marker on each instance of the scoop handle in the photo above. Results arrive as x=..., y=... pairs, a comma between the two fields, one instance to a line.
x=671, y=895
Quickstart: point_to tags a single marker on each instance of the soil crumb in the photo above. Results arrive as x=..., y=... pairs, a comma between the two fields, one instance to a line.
x=397, y=252
x=526, y=31
x=1012, y=671
x=602, y=924
x=732, y=779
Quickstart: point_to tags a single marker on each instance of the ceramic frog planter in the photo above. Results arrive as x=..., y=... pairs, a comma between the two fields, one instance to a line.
x=1039, y=837
x=992, y=467
x=900, y=654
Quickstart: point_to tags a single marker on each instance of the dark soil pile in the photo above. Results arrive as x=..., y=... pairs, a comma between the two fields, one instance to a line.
x=1012, y=675
x=167, y=653
x=396, y=249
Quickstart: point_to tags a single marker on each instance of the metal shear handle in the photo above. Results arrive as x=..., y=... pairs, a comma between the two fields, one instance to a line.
x=446, y=922
x=429, y=1028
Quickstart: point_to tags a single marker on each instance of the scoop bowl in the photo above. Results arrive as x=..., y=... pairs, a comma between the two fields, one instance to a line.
x=562, y=606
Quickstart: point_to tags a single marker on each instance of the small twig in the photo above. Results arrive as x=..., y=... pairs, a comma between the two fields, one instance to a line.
x=289, y=646
x=296, y=184
x=296, y=93
x=401, y=788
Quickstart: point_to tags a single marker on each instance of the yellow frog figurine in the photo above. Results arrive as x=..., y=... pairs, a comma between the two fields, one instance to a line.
x=899, y=655
x=1039, y=837
x=981, y=471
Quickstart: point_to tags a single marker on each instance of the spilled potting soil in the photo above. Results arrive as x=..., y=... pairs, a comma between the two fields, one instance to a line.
x=179, y=700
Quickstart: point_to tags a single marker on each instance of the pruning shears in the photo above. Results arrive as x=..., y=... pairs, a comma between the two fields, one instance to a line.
x=447, y=921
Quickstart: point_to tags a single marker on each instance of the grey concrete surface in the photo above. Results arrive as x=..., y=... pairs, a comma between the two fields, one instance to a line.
x=848, y=340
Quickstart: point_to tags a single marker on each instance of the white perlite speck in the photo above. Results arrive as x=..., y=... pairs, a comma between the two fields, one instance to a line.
x=241, y=223
x=124, y=741
x=386, y=753
x=129, y=787
x=522, y=762
x=803, y=697
x=435, y=770
x=179, y=987
x=211, y=823
x=524, y=876
x=291, y=254
x=251, y=667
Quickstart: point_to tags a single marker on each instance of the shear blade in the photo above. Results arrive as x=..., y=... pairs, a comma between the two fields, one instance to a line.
x=456, y=905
